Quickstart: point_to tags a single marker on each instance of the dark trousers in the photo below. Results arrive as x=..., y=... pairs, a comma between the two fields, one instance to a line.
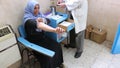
x=77, y=40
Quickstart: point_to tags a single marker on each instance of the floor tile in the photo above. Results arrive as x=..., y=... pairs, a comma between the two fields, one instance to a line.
x=94, y=56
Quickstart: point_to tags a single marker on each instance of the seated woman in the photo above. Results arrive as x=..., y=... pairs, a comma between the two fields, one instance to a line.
x=34, y=24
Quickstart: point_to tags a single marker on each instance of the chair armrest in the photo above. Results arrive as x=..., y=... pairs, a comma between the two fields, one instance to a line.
x=35, y=47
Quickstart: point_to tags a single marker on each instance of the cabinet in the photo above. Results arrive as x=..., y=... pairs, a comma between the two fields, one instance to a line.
x=9, y=51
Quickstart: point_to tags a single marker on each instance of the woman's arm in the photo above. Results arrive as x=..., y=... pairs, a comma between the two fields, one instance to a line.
x=48, y=28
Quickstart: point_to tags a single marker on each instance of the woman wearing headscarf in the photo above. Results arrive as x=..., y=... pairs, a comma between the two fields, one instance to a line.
x=34, y=24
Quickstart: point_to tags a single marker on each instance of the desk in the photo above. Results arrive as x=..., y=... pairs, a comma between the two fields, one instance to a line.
x=54, y=22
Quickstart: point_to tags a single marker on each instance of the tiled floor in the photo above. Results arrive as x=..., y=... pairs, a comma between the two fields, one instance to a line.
x=94, y=56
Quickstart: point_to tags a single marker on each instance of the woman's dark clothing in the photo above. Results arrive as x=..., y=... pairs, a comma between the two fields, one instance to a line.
x=39, y=38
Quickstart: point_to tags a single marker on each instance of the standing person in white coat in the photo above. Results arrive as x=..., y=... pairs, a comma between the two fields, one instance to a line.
x=79, y=10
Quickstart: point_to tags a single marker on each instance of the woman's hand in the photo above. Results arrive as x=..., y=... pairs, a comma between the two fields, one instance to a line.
x=59, y=30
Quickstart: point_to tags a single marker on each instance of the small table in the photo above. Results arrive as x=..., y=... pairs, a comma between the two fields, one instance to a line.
x=54, y=22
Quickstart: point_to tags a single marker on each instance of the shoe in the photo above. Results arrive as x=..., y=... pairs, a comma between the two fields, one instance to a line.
x=77, y=54
x=62, y=66
x=66, y=46
x=71, y=45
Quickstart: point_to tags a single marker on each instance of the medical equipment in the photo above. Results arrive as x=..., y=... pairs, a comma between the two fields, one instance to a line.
x=55, y=20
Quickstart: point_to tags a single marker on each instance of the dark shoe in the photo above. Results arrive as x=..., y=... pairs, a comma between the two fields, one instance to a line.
x=77, y=54
x=62, y=66
x=66, y=45
x=71, y=45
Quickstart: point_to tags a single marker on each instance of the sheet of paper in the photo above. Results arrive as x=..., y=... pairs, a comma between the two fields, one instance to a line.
x=65, y=23
x=56, y=17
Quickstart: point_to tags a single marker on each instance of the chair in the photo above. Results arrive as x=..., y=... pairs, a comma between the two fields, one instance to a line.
x=29, y=47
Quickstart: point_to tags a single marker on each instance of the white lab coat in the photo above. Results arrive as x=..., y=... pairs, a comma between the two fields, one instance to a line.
x=79, y=10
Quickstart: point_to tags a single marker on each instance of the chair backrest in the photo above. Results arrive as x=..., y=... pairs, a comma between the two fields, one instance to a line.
x=22, y=31
x=32, y=46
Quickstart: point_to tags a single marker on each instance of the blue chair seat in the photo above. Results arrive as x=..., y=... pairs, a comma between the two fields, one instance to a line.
x=35, y=47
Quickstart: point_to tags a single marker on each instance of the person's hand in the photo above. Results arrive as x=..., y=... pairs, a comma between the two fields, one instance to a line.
x=61, y=5
x=59, y=30
x=39, y=19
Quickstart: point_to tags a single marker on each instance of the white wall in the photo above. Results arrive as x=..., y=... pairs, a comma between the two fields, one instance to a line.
x=105, y=14
x=102, y=13
x=11, y=11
